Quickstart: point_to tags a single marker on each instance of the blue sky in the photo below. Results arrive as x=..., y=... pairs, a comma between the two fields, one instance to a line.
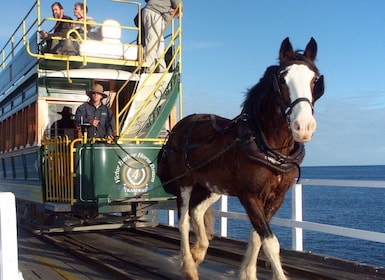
x=227, y=46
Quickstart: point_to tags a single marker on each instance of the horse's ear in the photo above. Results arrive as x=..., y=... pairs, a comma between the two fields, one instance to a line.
x=286, y=52
x=311, y=49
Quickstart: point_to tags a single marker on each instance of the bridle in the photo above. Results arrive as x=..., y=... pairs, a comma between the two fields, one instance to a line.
x=278, y=81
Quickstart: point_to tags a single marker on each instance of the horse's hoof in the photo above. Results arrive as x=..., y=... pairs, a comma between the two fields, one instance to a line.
x=198, y=254
x=190, y=276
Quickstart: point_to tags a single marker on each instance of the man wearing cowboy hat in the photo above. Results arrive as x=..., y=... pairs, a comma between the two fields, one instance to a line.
x=95, y=117
x=61, y=126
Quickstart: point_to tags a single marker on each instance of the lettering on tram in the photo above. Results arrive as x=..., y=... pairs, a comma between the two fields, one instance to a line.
x=59, y=169
x=134, y=173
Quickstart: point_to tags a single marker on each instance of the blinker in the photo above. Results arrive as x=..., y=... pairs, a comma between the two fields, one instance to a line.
x=319, y=87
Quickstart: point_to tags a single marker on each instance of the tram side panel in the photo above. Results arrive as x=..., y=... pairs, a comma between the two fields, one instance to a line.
x=110, y=177
x=19, y=174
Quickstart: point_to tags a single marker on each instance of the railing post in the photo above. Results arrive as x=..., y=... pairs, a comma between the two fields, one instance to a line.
x=170, y=217
x=296, y=200
x=223, y=220
x=8, y=238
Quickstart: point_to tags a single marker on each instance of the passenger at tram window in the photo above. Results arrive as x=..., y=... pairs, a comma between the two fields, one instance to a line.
x=91, y=23
x=95, y=117
x=66, y=125
x=59, y=30
x=155, y=16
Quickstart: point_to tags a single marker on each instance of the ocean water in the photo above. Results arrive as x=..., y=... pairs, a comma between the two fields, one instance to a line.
x=355, y=207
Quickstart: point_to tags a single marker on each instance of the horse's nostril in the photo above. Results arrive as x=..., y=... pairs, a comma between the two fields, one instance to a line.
x=296, y=126
x=299, y=127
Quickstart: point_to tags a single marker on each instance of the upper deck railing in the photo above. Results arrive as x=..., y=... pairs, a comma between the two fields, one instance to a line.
x=22, y=51
x=126, y=37
x=18, y=38
x=21, y=59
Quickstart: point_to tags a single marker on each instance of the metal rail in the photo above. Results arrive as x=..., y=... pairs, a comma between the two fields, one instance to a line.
x=296, y=222
x=152, y=253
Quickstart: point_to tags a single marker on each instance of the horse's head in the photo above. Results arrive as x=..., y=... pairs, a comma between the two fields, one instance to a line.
x=299, y=85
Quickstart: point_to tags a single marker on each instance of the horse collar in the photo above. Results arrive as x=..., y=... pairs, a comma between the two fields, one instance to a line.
x=254, y=144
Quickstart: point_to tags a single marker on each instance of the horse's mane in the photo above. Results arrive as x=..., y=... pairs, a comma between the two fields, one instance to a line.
x=260, y=89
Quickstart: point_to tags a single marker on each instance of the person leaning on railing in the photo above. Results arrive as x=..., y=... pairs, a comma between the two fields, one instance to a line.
x=155, y=15
x=80, y=16
x=60, y=29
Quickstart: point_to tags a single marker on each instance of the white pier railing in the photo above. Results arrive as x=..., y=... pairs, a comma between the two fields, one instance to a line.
x=296, y=222
x=9, y=268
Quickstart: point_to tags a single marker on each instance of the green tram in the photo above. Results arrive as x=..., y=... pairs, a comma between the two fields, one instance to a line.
x=59, y=176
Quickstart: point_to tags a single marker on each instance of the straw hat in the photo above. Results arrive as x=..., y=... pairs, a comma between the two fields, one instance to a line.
x=97, y=88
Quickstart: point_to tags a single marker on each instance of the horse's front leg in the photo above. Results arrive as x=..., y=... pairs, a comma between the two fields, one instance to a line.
x=199, y=249
x=255, y=210
x=271, y=248
x=249, y=268
x=188, y=266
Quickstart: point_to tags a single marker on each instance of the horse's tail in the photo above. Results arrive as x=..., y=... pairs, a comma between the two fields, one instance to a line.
x=209, y=223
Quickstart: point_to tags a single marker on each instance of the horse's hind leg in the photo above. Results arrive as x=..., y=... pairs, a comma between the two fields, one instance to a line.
x=200, y=228
x=189, y=268
x=248, y=268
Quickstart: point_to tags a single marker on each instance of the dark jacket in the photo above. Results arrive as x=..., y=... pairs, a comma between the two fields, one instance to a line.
x=87, y=112
x=61, y=28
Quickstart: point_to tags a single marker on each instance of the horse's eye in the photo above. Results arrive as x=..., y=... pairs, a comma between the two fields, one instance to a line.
x=281, y=80
x=319, y=87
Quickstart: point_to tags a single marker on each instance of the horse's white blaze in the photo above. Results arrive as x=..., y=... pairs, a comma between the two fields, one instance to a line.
x=302, y=123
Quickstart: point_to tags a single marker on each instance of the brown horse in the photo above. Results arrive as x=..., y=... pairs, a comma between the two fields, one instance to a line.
x=255, y=157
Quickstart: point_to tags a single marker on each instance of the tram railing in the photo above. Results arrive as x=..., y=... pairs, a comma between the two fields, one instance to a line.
x=296, y=222
x=58, y=180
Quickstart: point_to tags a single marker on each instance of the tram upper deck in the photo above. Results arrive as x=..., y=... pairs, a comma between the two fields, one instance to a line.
x=36, y=84
x=62, y=169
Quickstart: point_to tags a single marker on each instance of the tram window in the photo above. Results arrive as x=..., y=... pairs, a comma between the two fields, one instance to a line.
x=17, y=101
x=61, y=85
x=61, y=120
x=8, y=170
x=30, y=91
x=7, y=108
x=2, y=173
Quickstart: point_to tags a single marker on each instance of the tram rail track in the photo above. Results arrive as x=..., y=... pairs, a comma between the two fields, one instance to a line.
x=153, y=253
